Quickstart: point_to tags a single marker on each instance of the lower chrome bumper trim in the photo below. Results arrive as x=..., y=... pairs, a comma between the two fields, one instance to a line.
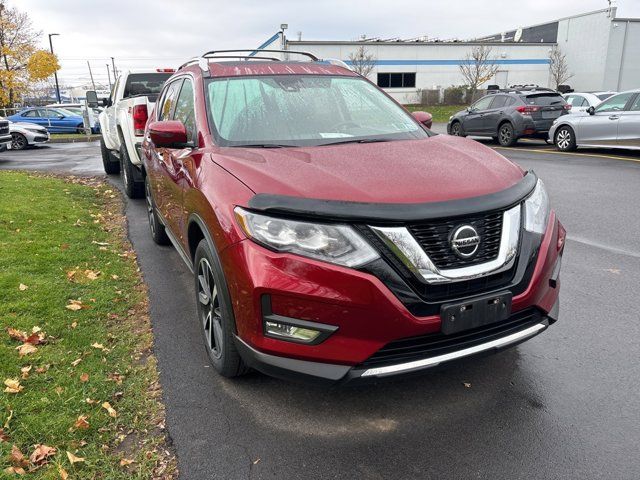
x=433, y=361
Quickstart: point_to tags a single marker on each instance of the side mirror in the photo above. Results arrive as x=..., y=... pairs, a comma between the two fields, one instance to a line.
x=168, y=134
x=591, y=110
x=425, y=118
x=92, y=98
x=59, y=117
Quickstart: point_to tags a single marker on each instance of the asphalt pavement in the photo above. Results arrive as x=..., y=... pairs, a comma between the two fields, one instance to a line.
x=565, y=405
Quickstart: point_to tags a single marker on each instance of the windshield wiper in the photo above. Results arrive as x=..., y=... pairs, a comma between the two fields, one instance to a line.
x=262, y=145
x=361, y=140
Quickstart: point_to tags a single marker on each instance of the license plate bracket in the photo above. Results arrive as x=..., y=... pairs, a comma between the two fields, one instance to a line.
x=474, y=313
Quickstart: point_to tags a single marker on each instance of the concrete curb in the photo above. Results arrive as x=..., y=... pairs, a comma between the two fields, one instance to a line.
x=92, y=138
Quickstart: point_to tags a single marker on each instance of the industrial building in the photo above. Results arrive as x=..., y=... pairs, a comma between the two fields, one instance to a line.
x=602, y=53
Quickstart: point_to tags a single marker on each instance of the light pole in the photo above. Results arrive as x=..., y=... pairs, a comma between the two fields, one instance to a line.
x=109, y=76
x=113, y=64
x=55, y=74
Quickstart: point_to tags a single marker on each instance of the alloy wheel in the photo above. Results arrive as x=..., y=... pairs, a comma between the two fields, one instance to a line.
x=563, y=139
x=505, y=135
x=18, y=142
x=209, y=309
x=150, y=212
x=455, y=129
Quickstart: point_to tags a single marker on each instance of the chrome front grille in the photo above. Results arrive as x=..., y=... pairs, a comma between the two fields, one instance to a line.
x=435, y=238
x=4, y=128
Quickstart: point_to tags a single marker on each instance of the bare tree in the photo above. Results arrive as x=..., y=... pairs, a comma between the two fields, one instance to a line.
x=477, y=67
x=558, y=66
x=362, y=61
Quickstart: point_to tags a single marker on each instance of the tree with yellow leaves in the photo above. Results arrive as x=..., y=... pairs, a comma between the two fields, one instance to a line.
x=21, y=62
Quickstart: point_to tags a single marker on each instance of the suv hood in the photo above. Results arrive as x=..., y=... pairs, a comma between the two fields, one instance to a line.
x=437, y=169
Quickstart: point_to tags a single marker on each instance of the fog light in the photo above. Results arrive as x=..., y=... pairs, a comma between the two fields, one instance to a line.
x=291, y=332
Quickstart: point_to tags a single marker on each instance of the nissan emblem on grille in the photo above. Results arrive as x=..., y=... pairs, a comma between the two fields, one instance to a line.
x=465, y=241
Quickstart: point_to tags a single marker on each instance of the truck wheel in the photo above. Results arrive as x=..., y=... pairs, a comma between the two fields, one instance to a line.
x=133, y=188
x=111, y=166
x=156, y=227
x=215, y=313
x=506, y=135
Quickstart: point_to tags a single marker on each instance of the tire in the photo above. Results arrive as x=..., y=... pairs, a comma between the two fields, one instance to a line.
x=81, y=129
x=18, y=141
x=111, y=167
x=215, y=313
x=565, y=139
x=158, y=232
x=132, y=188
x=506, y=135
x=456, y=130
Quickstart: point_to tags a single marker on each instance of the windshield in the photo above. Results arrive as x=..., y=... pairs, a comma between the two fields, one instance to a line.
x=304, y=110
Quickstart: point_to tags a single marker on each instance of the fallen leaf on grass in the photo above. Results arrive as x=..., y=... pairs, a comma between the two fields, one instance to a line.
x=26, y=349
x=75, y=305
x=59, y=390
x=3, y=436
x=13, y=386
x=84, y=377
x=107, y=406
x=115, y=377
x=63, y=473
x=70, y=275
x=99, y=346
x=16, y=458
x=126, y=462
x=64, y=246
x=42, y=369
x=81, y=423
x=115, y=277
x=14, y=471
x=16, y=334
x=22, y=287
x=74, y=324
x=76, y=362
x=73, y=459
x=25, y=371
x=91, y=274
x=102, y=244
x=41, y=454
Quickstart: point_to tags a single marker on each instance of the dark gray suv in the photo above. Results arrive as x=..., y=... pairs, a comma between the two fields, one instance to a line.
x=507, y=115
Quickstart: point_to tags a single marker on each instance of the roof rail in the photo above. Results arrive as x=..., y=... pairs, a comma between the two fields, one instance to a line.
x=211, y=53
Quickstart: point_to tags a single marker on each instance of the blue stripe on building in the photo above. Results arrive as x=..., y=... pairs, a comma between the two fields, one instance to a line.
x=409, y=62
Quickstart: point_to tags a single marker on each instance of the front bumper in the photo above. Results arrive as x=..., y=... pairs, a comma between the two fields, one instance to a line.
x=370, y=311
x=5, y=139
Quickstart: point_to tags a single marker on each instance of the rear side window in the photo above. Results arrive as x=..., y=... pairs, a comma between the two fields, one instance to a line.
x=168, y=100
x=499, y=101
x=148, y=84
x=185, y=111
x=544, y=99
x=635, y=107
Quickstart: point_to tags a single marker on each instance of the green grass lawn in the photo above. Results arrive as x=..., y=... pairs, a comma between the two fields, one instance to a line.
x=441, y=113
x=62, y=243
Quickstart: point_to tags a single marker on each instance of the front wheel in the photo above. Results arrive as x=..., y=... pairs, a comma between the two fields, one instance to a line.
x=133, y=188
x=18, y=141
x=156, y=227
x=506, y=135
x=111, y=167
x=215, y=313
x=456, y=130
x=565, y=139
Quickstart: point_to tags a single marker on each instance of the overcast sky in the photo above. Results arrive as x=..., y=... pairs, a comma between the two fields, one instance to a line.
x=162, y=33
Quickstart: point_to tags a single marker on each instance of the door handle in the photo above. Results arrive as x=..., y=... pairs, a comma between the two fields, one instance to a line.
x=614, y=117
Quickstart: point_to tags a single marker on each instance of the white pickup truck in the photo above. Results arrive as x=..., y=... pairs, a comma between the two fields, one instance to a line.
x=122, y=124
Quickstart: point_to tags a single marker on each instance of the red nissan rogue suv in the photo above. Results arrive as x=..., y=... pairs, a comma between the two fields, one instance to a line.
x=331, y=235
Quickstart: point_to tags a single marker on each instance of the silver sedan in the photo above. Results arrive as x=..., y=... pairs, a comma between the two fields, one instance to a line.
x=24, y=134
x=615, y=123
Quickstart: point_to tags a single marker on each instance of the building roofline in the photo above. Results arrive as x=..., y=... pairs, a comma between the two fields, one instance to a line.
x=371, y=43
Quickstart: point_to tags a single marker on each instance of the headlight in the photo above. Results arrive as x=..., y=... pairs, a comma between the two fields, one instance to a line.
x=338, y=244
x=536, y=209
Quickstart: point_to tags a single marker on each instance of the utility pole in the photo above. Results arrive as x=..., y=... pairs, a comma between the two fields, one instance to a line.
x=113, y=64
x=91, y=75
x=55, y=74
x=109, y=76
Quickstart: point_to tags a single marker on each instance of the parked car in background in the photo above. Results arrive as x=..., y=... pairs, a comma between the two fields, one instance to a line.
x=331, y=236
x=581, y=101
x=5, y=135
x=510, y=114
x=78, y=109
x=614, y=123
x=122, y=124
x=55, y=120
x=25, y=134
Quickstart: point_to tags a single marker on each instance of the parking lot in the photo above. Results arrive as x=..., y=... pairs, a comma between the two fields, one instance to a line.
x=564, y=405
